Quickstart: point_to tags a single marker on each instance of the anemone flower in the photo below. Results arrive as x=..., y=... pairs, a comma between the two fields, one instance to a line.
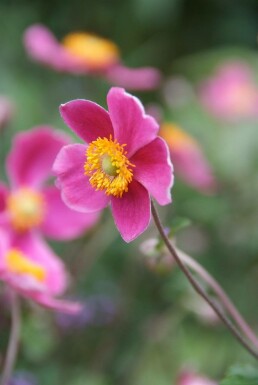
x=85, y=53
x=188, y=158
x=31, y=208
x=123, y=162
x=190, y=378
x=31, y=268
x=231, y=93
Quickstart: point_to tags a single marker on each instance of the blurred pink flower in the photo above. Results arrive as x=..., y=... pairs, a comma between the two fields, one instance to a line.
x=190, y=378
x=123, y=164
x=188, y=158
x=31, y=207
x=6, y=111
x=231, y=93
x=84, y=53
x=29, y=266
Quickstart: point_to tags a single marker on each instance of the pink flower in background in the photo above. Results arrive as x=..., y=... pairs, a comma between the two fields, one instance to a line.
x=190, y=378
x=32, y=207
x=6, y=111
x=231, y=93
x=123, y=164
x=29, y=266
x=188, y=159
x=84, y=53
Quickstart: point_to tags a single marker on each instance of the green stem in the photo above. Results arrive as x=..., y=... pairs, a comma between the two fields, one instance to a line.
x=225, y=300
x=197, y=287
x=13, y=340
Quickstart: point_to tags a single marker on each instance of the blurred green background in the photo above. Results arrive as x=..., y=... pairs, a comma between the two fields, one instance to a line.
x=150, y=333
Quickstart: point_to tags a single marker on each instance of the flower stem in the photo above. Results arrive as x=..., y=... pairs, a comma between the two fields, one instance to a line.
x=198, y=287
x=225, y=300
x=13, y=340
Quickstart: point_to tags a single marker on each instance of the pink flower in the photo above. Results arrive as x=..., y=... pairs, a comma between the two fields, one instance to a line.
x=29, y=266
x=231, y=93
x=84, y=53
x=32, y=207
x=190, y=378
x=188, y=158
x=123, y=164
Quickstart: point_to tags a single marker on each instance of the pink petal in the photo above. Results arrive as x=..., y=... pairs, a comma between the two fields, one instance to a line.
x=42, y=46
x=76, y=190
x=32, y=155
x=87, y=119
x=38, y=251
x=146, y=78
x=132, y=212
x=153, y=169
x=3, y=249
x=40, y=43
x=3, y=196
x=131, y=126
x=61, y=222
x=59, y=305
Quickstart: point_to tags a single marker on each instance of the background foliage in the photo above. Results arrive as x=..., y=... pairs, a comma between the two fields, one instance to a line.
x=146, y=334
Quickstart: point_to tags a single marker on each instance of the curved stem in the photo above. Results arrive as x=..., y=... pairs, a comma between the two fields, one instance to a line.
x=13, y=340
x=225, y=300
x=198, y=287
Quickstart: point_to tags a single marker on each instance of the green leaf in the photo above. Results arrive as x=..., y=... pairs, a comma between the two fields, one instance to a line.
x=241, y=375
x=178, y=224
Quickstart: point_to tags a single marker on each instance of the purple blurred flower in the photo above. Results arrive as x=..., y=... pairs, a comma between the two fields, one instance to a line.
x=231, y=93
x=23, y=378
x=84, y=53
x=97, y=310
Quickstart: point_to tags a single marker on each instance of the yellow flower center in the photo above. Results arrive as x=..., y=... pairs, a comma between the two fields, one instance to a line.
x=108, y=167
x=26, y=209
x=175, y=137
x=18, y=263
x=94, y=51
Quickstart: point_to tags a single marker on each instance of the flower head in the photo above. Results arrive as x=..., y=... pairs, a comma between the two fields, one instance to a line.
x=231, y=93
x=123, y=162
x=32, y=207
x=85, y=53
x=188, y=158
x=29, y=266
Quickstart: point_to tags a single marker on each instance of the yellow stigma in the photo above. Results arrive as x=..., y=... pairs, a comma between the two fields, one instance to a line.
x=108, y=167
x=18, y=263
x=94, y=51
x=26, y=209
